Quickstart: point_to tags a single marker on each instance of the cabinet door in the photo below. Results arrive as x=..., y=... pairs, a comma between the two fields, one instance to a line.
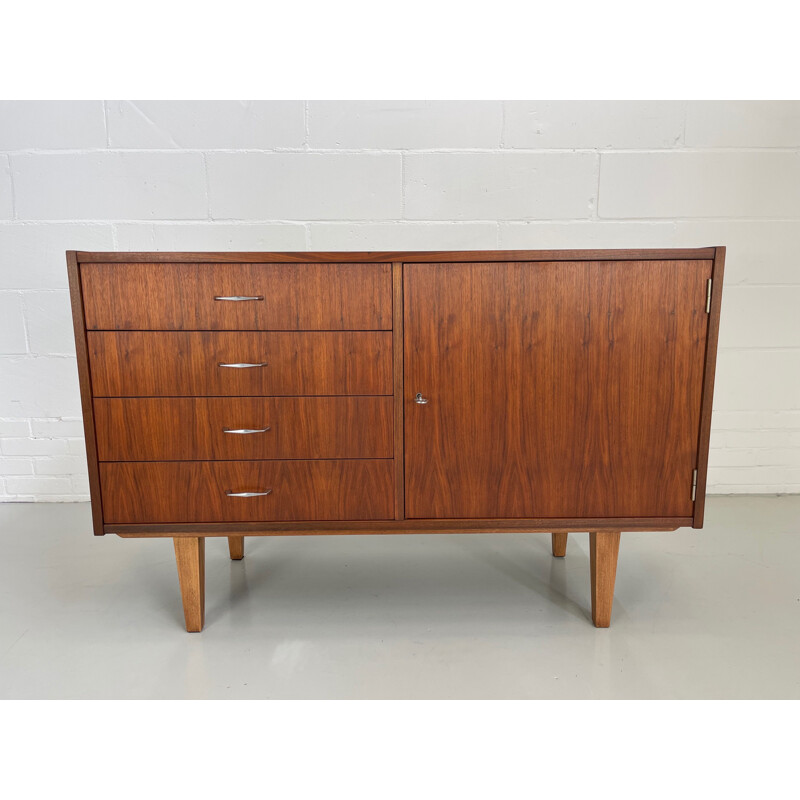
x=567, y=389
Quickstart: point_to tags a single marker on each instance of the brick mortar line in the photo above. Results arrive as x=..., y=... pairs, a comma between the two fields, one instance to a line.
x=398, y=221
x=25, y=321
x=684, y=122
x=206, y=188
x=13, y=188
x=24, y=223
x=769, y=348
x=596, y=209
x=495, y=149
x=403, y=186
x=34, y=356
x=105, y=124
x=29, y=222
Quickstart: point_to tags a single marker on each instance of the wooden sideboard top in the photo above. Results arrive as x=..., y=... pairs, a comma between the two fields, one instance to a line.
x=700, y=253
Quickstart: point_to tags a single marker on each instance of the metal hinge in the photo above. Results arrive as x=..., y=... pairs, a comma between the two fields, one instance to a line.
x=708, y=296
x=694, y=485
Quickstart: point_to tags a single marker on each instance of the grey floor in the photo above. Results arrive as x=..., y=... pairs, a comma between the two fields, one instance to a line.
x=708, y=614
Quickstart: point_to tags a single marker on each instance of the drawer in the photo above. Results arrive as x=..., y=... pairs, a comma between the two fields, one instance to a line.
x=150, y=363
x=173, y=429
x=186, y=296
x=197, y=491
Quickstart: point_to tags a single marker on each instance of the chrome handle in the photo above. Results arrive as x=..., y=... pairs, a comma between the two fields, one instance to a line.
x=245, y=430
x=420, y=399
x=237, y=298
x=248, y=494
x=243, y=365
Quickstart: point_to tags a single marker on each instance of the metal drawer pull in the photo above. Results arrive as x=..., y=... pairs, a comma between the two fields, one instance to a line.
x=237, y=298
x=420, y=399
x=248, y=494
x=243, y=365
x=245, y=430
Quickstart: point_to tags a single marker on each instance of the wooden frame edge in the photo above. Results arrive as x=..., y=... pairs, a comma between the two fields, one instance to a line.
x=399, y=395
x=653, y=254
x=85, y=381
x=706, y=403
x=409, y=526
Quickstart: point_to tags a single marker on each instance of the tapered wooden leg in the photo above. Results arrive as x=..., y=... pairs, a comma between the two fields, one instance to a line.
x=603, y=552
x=190, y=553
x=236, y=546
x=559, y=544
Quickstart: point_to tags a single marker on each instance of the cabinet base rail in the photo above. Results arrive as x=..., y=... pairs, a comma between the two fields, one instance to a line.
x=190, y=553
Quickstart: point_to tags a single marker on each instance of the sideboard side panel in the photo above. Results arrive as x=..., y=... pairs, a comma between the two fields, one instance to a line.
x=708, y=386
x=84, y=379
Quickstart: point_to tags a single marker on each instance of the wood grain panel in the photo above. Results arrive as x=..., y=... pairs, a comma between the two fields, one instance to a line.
x=142, y=363
x=405, y=256
x=555, y=389
x=195, y=491
x=176, y=296
x=192, y=429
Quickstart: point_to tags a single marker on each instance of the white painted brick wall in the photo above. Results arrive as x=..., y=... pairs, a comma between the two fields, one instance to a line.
x=109, y=185
x=400, y=175
x=593, y=125
x=227, y=125
x=12, y=328
x=500, y=185
x=32, y=254
x=305, y=185
x=6, y=194
x=56, y=125
x=237, y=235
x=742, y=124
x=405, y=125
x=700, y=184
x=402, y=235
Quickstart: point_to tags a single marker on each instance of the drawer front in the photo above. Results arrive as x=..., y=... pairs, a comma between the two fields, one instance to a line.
x=196, y=491
x=148, y=363
x=213, y=428
x=288, y=296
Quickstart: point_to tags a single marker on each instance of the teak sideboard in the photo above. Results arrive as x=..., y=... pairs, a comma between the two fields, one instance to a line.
x=260, y=394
